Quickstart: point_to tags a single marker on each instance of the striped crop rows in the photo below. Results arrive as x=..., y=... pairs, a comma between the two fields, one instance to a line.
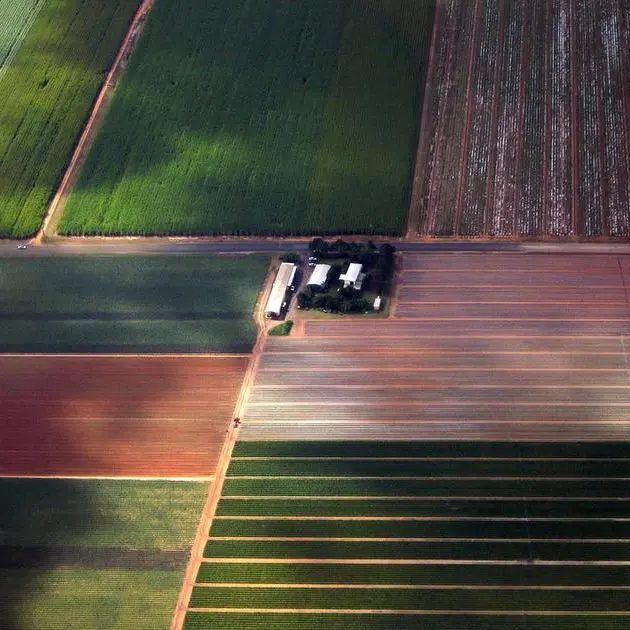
x=525, y=132
x=418, y=534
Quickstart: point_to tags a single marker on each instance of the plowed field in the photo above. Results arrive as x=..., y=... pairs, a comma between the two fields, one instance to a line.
x=112, y=415
x=524, y=126
x=500, y=346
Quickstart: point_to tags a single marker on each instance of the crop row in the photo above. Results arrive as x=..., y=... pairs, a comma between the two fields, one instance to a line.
x=410, y=599
x=431, y=468
x=441, y=449
x=429, y=550
x=462, y=574
x=46, y=93
x=279, y=621
x=530, y=508
x=260, y=118
x=456, y=488
x=423, y=528
x=16, y=17
x=527, y=137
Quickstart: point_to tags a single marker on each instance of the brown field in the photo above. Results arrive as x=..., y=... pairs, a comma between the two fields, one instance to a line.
x=479, y=346
x=113, y=415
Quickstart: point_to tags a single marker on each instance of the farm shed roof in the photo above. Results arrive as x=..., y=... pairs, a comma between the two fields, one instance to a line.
x=284, y=277
x=352, y=274
x=319, y=275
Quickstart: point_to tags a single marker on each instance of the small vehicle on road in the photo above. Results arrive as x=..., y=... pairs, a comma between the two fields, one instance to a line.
x=22, y=246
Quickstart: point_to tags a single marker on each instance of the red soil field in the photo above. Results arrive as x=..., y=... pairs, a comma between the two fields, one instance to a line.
x=110, y=415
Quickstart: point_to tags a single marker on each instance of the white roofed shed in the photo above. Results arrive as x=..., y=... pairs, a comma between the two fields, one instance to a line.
x=319, y=277
x=351, y=276
x=278, y=295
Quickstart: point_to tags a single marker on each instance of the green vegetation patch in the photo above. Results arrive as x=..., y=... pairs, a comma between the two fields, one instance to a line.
x=49, y=599
x=101, y=553
x=273, y=118
x=186, y=303
x=409, y=599
x=463, y=574
x=426, y=550
x=319, y=621
x=425, y=528
x=395, y=487
x=441, y=449
x=465, y=508
x=281, y=330
x=46, y=92
x=430, y=468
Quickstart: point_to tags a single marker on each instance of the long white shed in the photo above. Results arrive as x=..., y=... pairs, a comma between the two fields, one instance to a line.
x=283, y=281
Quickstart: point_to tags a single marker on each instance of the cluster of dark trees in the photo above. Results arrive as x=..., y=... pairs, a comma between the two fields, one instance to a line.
x=378, y=262
x=332, y=303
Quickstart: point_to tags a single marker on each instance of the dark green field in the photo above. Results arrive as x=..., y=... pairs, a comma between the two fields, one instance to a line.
x=266, y=117
x=45, y=96
x=94, y=554
x=129, y=303
x=476, y=530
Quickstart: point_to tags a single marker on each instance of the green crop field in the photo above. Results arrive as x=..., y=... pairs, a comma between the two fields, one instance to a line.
x=80, y=554
x=129, y=303
x=47, y=85
x=16, y=17
x=266, y=117
x=428, y=528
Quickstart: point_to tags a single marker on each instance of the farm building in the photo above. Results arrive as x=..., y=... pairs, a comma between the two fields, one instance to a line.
x=283, y=281
x=319, y=277
x=353, y=277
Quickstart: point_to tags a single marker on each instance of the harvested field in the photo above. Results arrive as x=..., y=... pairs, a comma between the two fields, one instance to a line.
x=524, y=130
x=479, y=346
x=114, y=415
x=304, y=556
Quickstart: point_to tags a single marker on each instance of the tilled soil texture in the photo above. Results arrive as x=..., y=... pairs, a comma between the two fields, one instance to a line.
x=477, y=347
x=523, y=128
x=113, y=415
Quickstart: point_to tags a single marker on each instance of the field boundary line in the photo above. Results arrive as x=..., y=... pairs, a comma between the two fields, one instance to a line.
x=393, y=539
x=413, y=587
x=215, y=495
x=419, y=612
x=88, y=134
x=209, y=478
x=413, y=227
x=447, y=519
x=415, y=561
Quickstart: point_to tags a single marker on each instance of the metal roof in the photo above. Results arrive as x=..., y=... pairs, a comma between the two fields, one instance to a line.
x=319, y=276
x=352, y=274
x=284, y=277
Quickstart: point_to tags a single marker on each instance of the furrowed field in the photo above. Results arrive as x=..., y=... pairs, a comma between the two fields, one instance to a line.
x=261, y=117
x=79, y=554
x=525, y=129
x=129, y=303
x=46, y=89
x=433, y=535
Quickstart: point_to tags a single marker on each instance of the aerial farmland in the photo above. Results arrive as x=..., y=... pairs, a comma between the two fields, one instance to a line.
x=170, y=455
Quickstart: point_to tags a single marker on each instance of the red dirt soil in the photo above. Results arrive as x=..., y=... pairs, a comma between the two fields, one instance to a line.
x=131, y=416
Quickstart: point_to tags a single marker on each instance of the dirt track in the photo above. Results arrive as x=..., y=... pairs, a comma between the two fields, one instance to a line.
x=132, y=416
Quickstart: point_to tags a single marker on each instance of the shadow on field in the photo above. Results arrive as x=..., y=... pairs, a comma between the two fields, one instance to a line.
x=194, y=119
x=45, y=429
